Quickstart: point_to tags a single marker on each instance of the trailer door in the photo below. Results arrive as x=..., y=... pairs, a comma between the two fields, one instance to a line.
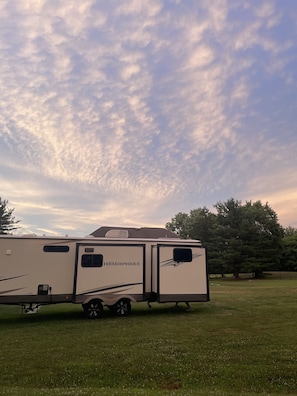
x=111, y=270
x=180, y=273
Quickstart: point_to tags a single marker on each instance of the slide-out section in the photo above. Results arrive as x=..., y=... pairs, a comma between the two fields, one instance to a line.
x=179, y=273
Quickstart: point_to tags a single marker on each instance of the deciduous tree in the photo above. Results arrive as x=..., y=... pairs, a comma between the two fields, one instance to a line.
x=239, y=238
x=289, y=256
x=252, y=237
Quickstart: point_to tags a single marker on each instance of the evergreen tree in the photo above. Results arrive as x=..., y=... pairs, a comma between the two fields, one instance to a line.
x=7, y=220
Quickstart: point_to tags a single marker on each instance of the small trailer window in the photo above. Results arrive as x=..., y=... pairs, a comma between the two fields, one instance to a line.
x=182, y=255
x=56, y=249
x=91, y=260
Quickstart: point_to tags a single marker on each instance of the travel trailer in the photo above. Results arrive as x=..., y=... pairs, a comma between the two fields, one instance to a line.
x=101, y=271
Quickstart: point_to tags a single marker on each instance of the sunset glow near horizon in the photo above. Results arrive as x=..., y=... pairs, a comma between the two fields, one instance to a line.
x=126, y=113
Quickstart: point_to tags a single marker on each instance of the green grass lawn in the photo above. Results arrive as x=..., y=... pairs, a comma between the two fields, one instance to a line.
x=244, y=341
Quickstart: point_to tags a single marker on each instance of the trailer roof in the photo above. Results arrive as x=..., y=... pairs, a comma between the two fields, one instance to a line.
x=131, y=232
x=92, y=238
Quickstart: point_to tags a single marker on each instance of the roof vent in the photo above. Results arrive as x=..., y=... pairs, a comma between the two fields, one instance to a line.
x=117, y=234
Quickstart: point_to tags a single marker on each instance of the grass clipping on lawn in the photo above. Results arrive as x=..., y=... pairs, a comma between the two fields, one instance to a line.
x=241, y=342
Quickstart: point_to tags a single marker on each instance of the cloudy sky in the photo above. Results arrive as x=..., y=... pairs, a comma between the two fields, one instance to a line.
x=127, y=112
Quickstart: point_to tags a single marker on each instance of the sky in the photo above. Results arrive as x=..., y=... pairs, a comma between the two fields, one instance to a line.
x=125, y=113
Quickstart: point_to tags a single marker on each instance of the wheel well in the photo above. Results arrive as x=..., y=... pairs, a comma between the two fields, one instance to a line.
x=109, y=300
x=91, y=298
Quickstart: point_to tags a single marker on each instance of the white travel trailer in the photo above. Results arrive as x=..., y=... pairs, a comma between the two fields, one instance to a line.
x=97, y=272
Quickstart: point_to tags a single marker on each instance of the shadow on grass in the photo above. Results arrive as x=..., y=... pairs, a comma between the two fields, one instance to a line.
x=16, y=316
x=68, y=313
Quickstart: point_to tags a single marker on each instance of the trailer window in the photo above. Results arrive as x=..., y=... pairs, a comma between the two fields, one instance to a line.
x=91, y=260
x=182, y=255
x=55, y=249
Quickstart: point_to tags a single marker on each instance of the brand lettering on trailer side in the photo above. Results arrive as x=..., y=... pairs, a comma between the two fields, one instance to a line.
x=121, y=263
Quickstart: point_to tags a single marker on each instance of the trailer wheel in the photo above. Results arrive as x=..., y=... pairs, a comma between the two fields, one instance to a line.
x=122, y=307
x=93, y=309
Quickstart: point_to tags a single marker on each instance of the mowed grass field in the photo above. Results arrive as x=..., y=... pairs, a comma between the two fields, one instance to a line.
x=243, y=342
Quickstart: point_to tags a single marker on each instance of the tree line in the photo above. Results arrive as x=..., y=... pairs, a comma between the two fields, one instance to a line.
x=240, y=238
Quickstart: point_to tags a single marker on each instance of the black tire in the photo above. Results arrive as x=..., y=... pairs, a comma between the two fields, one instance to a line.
x=122, y=307
x=93, y=309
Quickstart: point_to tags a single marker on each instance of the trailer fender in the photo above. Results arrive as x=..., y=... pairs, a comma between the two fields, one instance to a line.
x=109, y=300
x=115, y=299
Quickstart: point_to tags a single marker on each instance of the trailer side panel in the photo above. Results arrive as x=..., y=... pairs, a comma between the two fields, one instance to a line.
x=109, y=272
x=36, y=270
